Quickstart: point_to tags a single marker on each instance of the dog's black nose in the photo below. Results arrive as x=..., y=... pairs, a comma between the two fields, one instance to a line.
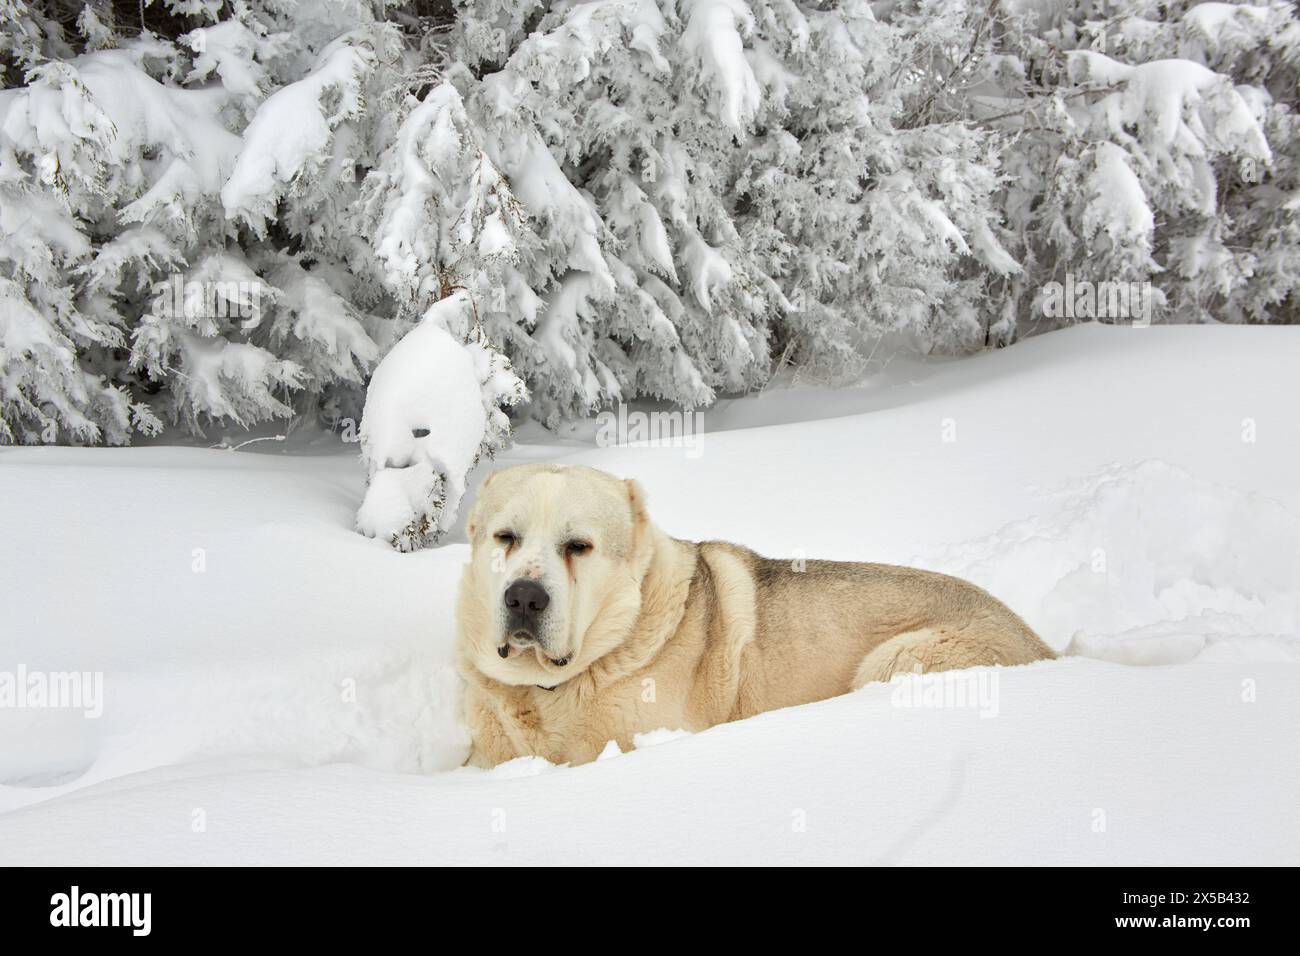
x=527, y=597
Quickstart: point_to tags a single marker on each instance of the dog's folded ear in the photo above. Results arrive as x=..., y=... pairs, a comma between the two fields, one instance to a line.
x=636, y=498
x=472, y=522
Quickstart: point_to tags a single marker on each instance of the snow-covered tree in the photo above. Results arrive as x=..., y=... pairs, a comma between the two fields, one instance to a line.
x=715, y=188
x=125, y=170
x=1145, y=142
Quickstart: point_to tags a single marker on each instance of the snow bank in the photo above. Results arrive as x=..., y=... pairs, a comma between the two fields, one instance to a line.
x=230, y=609
x=1140, y=551
x=293, y=681
x=1087, y=763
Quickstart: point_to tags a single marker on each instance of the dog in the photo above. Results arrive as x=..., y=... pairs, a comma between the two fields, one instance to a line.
x=580, y=622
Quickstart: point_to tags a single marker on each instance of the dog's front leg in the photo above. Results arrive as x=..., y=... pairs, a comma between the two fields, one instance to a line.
x=490, y=744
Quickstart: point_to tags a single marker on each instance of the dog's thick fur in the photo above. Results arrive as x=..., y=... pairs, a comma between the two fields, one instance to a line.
x=644, y=631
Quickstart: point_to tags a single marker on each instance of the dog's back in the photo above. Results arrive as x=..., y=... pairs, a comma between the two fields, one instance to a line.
x=822, y=628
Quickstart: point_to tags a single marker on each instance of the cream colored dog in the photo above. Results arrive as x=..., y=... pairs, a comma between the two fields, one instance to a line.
x=581, y=622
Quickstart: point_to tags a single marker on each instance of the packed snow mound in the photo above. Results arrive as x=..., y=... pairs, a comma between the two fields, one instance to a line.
x=431, y=410
x=1146, y=557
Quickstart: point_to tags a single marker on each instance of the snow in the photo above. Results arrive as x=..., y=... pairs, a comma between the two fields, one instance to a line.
x=713, y=33
x=228, y=49
x=1212, y=17
x=422, y=429
x=428, y=140
x=1173, y=98
x=279, y=689
x=1118, y=205
x=291, y=132
x=105, y=98
x=314, y=313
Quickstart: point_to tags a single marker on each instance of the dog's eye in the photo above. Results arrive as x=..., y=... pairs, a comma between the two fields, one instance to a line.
x=576, y=547
x=506, y=539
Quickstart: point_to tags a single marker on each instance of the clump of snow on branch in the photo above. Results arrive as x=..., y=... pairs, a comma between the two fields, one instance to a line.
x=433, y=408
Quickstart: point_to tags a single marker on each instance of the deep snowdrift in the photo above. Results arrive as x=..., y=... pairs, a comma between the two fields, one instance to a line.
x=278, y=688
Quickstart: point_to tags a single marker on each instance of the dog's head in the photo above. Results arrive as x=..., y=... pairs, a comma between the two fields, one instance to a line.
x=554, y=579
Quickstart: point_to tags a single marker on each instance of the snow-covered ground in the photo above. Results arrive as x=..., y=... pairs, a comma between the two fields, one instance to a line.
x=278, y=688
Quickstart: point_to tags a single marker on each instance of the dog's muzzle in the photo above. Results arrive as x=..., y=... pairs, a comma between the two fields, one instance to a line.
x=526, y=601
